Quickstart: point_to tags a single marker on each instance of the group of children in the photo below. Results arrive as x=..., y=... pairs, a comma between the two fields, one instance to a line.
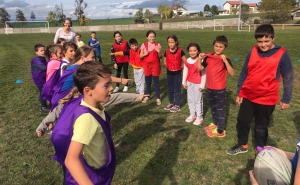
x=82, y=137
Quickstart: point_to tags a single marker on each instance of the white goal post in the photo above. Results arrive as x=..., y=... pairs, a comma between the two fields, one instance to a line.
x=220, y=24
x=9, y=29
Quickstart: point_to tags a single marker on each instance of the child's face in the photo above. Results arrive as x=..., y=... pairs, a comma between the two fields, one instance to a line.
x=265, y=43
x=58, y=55
x=62, y=43
x=69, y=54
x=118, y=37
x=90, y=57
x=77, y=38
x=171, y=43
x=103, y=89
x=193, y=52
x=40, y=52
x=93, y=35
x=219, y=48
x=134, y=47
x=151, y=38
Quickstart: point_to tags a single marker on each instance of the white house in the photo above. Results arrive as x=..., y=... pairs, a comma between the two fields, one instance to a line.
x=179, y=11
x=229, y=6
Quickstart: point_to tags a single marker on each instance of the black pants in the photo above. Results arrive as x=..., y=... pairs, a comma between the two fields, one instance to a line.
x=217, y=104
x=262, y=114
x=125, y=71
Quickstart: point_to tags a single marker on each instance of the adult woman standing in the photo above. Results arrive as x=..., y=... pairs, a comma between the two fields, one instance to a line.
x=65, y=32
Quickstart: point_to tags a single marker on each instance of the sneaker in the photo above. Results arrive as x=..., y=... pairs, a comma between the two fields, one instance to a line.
x=45, y=109
x=198, y=121
x=125, y=89
x=215, y=133
x=237, y=149
x=145, y=100
x=211, y=126
x=168, y=107
x=190, y=119
x=175, y=108
x=158, y=101
x=116, y=90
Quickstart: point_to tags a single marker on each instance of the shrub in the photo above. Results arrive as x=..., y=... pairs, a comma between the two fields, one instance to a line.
x=256, y=21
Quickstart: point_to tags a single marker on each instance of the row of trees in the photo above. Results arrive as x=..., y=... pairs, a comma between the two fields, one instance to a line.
x=4, y=15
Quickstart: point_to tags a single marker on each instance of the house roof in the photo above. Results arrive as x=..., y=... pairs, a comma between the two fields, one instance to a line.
x=252, y=4
x=234, y=2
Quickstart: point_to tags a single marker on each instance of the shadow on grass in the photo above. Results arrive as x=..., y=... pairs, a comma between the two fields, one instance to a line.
x=165, y=158
x=296, y=120
x=131, y=141
x=244, y=172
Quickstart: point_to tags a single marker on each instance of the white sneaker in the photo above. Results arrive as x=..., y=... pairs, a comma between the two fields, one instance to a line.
x=125, y=89
x=158, y=102
x=116, y=90
x=198, y=121
x=190, y=119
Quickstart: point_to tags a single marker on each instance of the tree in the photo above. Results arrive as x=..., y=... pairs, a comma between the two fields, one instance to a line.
x=80, y=6
x=201, y=14
x=139, y=14
x=276, y=10
x=214, y=10
x=32, y=16
x=244, y=12
x=206, y=8
x=4, y=15
x=148, y=14
x=20, y=15
x=164, y=11
x=59, y=10
x=52, y=18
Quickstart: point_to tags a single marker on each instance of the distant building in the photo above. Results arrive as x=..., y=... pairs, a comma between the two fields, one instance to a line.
x=179, y=11
x=229, y=6
x=296, y=14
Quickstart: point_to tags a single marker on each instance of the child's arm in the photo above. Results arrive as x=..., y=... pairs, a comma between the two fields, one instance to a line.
x=143, y=53
x=201, y=61
x=297, y=173
x=74, y=164
x=165, y=61
x=203, y=80
x=287, y=73
x=183, y=58
x=184, y=76
x=123, y=81
x=119, y=53
x=228, y=65
x=253, y=181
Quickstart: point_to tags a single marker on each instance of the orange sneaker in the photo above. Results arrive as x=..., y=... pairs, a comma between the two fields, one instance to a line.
x=211, y=126
x=215, y=133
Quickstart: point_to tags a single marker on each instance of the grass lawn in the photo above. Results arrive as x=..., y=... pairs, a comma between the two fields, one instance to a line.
x=153, y=146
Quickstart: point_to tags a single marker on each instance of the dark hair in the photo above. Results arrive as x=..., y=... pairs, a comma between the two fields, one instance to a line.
x=133, y=41
x=93, y=32
x=52, y=49
x=193, y=45
x=77, y=34
x=88, y=73
x=117, y=32
x=69, y=45
x=174, y=37
x=67, y=19
x=150, y=31
x=82, y=51
x=221, y=39
x=264, y=30
x=38, y=46
x=60, y=40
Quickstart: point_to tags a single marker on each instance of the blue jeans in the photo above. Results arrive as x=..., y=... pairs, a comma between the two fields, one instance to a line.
x=148, y=80
x=174, y=88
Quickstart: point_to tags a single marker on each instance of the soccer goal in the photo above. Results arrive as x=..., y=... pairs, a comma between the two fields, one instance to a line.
x=26, y=27
x=220, y=24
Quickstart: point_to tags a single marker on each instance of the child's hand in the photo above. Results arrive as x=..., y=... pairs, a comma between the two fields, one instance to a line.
x=223, y=57
x=284, y=106
x=201, y=55
x=239, y=100
x=91, y=44
x=253, y=181
x=111, y=54
x=184, y=86
x=125, y=81
x=201, y=89
x=115, y=66
x=146, y=52
x=157, y=49
x=142, y=96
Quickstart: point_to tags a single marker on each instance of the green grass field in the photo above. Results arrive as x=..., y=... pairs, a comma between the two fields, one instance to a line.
x=153, y=146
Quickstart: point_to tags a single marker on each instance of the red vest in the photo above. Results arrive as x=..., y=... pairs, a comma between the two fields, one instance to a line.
x=152, y=56
x=215, y=72
x=135, y=58
x=261, y=85
x=173, y=60
x=121, y=47
x=194, y=74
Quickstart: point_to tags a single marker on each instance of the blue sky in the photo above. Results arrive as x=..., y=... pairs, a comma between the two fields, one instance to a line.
x=99, y=9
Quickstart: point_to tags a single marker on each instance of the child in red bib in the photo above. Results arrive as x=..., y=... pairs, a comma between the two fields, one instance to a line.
x=258, y=88
x=150, y=54
x=217, y=65
x=173, y=60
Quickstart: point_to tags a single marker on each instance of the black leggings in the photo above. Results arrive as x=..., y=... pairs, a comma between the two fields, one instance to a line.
x=125, y=71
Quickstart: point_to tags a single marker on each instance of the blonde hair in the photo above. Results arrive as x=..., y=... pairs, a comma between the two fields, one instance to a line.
x=73, y=94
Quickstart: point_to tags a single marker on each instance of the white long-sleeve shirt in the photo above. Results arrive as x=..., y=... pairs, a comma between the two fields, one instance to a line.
x=186, y=71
